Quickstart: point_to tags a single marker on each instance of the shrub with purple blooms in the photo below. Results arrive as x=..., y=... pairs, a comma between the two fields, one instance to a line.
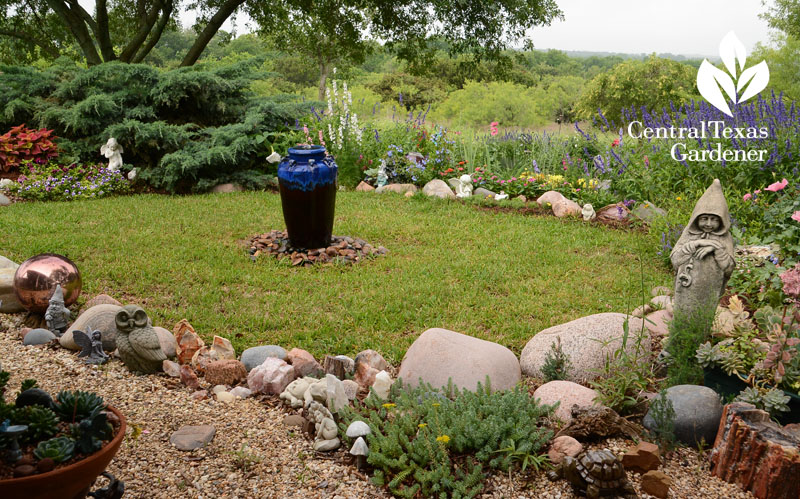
x=54, y=182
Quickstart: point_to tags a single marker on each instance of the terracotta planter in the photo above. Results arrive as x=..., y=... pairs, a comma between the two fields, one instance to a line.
x=69, y=482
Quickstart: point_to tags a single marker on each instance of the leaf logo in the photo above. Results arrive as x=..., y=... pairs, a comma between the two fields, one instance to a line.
x=711, y=81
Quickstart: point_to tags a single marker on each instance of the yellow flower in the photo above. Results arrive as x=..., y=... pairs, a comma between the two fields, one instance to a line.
x=422, y=425
x=443, y=438
x=436, y=404
x=388, y=406
x=678, y=198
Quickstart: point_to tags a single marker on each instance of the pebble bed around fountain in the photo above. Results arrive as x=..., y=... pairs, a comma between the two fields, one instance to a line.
x=342, y=249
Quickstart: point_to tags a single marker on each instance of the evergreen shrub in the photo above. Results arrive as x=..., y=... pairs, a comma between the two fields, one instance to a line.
x=186, y=129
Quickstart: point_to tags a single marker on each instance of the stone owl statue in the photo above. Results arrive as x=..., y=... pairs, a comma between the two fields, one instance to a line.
x=137, y=341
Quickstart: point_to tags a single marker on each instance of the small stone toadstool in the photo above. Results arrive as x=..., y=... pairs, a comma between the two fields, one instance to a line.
x=360, y=451
x=358, y=429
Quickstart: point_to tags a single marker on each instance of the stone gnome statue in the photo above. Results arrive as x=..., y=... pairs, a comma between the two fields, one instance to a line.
x=57, y=315
x=703, y=256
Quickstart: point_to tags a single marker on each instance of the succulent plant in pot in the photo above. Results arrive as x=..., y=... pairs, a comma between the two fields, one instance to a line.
x=55, y=448
x=761, y=360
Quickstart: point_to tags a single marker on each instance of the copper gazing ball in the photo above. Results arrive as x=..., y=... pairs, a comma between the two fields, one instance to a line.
x=37, y=277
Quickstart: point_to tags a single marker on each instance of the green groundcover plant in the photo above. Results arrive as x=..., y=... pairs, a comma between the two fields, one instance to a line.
x=435, y=443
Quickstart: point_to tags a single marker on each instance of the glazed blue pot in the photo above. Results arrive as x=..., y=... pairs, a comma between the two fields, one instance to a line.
x=308, y=181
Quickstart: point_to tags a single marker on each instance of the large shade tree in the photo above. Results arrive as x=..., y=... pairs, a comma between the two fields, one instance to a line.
x=127, y=30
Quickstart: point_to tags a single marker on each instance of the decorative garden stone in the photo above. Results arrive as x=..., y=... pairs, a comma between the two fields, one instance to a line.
x=113, y=153
x=439, y=355
x=501, y=196
x=255, y=356
x=188, y=341
x=586, y=341
x=587, y=212
x=382, y=385
x=91, y=343
x=57, y=315
x=271, y=377
x=703, y=256
x=697, y=413
x=756, y=453
x=225, y=372
x=483, y=193
x=464, y=188
x=9, y=303
x=397, y=188
x=39, y=336
x=566, y=394
x=438, y=188
x=595, y=473
x=137, y=341
x=101, y=318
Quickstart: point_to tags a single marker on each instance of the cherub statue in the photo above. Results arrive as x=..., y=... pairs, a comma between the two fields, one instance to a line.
x=464, y=187
x=113, y=152
x=703, y=256
x=383, y=178
x=588, y=212
x=91, y=343
x=57, y=315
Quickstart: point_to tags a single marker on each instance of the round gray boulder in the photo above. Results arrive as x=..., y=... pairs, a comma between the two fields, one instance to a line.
x=697, y=413
x=255, y=356
x=100, y=318
x=38, y=337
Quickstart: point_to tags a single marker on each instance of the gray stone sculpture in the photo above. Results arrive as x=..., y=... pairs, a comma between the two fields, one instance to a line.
x=91, y=343
x=703, y=256
x=113, y=152
x=464, y=187
x=57, y=315
x=137, y=341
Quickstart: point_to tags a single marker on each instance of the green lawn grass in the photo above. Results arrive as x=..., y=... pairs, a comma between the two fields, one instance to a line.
x=497, y=276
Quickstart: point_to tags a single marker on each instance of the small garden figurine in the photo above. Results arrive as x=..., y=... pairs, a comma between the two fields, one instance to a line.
x=91, y=343
x=382, y=178
x=57, y=315
x=137, y=341
x=703, y=256
x=113, y=152
x=464, y=187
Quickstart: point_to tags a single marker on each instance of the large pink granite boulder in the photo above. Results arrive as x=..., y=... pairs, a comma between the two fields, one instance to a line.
x=566, y=393
x=271, y=377
x=438, y=355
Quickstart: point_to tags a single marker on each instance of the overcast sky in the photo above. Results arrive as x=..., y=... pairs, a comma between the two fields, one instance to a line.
x=689, y=27
x=635, y=26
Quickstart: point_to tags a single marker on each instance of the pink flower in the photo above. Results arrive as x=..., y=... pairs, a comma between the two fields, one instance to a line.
x=494, y=124
x=778, y=186
x=791, y=281
x=796, y=216
x=757, y=191
x=747, y=197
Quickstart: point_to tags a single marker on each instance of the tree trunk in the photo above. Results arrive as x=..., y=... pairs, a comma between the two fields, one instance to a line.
x=756, y=453
x=102, y=35
x=324, y=70
x=155, y=35
x=210, y=30
x=77, y=27
x=145, y=28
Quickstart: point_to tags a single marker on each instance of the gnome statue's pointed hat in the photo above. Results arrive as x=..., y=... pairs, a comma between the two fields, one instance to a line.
x=712, y=202
x=58, y=294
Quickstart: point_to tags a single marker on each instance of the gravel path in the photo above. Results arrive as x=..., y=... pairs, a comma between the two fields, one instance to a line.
x=284, y=464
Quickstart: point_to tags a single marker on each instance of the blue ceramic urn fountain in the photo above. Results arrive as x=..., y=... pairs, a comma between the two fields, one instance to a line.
x=308, y=181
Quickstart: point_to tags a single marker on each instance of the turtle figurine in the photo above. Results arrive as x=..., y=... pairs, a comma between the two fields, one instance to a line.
x=595, y=473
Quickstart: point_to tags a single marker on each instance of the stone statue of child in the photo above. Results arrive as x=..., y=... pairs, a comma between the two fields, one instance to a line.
x=382, y=178
x=464, y=187
x=113, y=152
x=703, y=256
x=57, y=315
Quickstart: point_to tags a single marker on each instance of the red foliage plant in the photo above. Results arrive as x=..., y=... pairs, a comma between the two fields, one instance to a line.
x=24, y=144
